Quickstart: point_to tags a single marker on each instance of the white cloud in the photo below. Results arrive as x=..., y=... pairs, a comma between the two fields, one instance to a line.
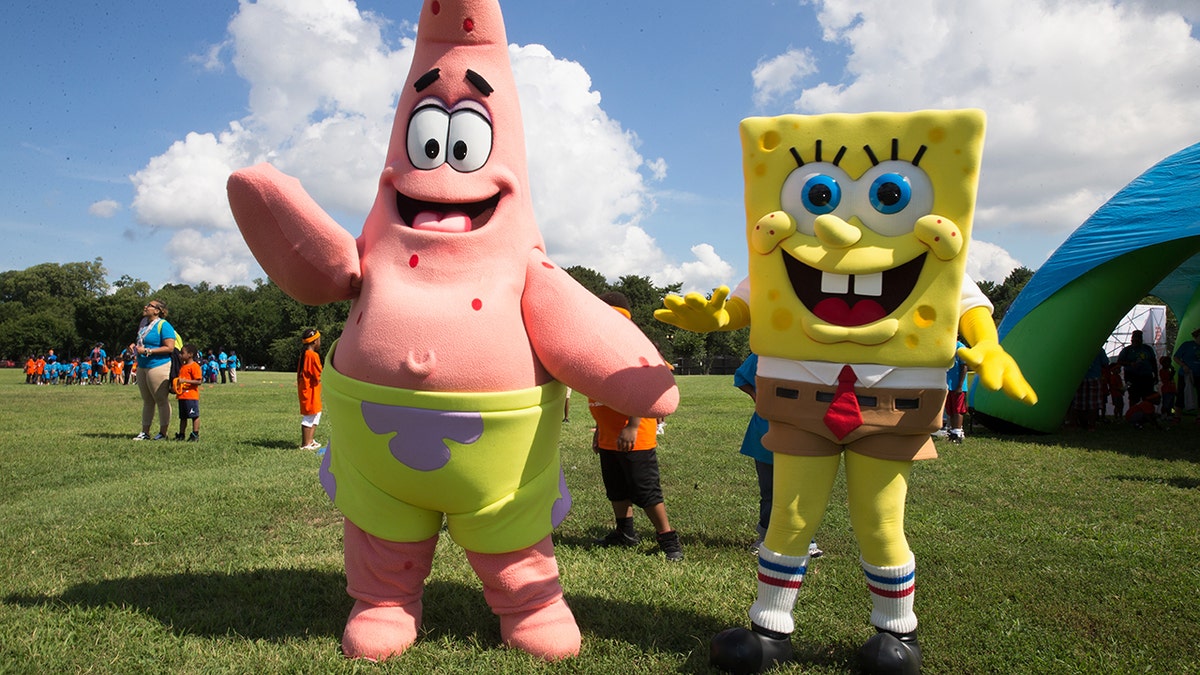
x=323, y=84
x=989, y=262
x=1081, y=95
x=702, y=275
x=105, y=208
x=775, y=77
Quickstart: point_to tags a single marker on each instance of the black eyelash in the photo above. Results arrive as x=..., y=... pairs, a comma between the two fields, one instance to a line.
x=916, y=160
x=871, y=155
x=836, y=159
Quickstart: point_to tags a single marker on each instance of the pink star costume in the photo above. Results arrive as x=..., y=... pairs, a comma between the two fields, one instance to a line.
x=459, y=334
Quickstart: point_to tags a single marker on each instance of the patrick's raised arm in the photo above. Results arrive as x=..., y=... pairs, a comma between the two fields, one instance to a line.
x=308, y=254
x=591, y=348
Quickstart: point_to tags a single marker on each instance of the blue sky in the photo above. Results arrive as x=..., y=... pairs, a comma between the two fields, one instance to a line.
x=120, y=120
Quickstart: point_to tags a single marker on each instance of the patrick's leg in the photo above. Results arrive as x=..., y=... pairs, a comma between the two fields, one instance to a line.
x=387, y=580
x=522, y=589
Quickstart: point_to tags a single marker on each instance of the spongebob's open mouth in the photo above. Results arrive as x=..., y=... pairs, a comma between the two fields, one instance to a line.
x=439, y=217
x=853, y=299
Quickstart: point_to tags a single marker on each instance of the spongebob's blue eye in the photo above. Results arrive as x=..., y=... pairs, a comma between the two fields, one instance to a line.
x=821, y=194
x=890, y=193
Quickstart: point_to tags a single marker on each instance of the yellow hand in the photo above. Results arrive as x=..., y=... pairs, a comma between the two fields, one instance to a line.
x=698, y=314
x=994, y=367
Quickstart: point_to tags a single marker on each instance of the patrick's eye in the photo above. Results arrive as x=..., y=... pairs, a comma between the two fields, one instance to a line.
x=428, y=129
x=890, y=193
x=814, y=190
x=470, y=140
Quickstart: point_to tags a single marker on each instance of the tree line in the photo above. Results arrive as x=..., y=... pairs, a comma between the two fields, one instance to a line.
x=69, y=307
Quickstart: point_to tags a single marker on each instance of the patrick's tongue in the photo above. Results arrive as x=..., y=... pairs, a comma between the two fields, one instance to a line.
x=442, y=222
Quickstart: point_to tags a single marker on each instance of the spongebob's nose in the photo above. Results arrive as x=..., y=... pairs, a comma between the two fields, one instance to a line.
x=834, y=232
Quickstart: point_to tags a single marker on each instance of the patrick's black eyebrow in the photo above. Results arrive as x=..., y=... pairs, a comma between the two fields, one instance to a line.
x=480, y=83
x=427, y=79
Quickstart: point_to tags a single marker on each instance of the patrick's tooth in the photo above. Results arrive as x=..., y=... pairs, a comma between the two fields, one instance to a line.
x=868, y=284
x=835, y=283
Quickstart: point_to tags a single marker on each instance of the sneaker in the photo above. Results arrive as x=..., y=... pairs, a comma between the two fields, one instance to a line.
x=941, y=433
x=142, y=437
x=179, y=437
x=669, y=543
x=618, y=538
x=956, y=436
x=315, y=445
x=192, y=437
x=813, y=551
x=159, y=437
x=762, y=534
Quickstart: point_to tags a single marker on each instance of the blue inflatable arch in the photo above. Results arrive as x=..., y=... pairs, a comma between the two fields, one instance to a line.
x=1144, y=241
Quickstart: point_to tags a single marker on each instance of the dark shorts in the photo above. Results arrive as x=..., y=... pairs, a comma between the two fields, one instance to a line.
x=631, y=476
x=189, y=409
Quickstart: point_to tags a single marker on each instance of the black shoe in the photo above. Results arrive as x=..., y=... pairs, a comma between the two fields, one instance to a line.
x=193, y=437
x=888, y=653
x=669, y=543
x=738, y=650
x=618, y=538
x=179, y=437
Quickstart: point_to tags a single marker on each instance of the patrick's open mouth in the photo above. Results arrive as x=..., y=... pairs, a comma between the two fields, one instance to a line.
x=439, y=217
x=852, y=299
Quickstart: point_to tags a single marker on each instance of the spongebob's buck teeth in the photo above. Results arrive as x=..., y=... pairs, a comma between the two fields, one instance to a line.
x=870, y=285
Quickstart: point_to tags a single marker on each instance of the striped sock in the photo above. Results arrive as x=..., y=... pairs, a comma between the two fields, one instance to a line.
x=892, y=590
x=779, y=579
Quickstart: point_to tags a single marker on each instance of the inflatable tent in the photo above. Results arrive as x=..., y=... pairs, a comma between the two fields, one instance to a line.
x=1145, y=240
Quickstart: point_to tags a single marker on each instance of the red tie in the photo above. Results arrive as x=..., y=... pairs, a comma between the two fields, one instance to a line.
x=843, y=415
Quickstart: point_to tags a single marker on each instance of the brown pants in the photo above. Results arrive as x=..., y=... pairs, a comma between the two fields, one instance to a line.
x=897, y=423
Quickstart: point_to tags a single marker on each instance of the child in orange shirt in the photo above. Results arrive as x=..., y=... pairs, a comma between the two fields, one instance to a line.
x=308, y=385
x=629, y=467
x=187, y=390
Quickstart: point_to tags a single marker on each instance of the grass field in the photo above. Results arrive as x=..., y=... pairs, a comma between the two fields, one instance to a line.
x=1075, y=553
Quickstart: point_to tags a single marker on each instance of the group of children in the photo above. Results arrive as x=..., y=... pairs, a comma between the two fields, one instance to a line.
x=222, y=365
x=96, y=368
x=1104, y=387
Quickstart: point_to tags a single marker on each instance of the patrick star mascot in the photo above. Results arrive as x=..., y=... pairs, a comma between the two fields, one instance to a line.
x=446, y=387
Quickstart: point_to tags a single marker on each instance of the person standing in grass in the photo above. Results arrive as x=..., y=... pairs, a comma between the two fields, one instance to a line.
x=154, y=345
x=629, y=467
x=187, y=390
x=308, y=385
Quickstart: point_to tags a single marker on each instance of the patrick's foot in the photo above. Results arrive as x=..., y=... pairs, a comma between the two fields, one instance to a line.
x=376, y=632
x=549, y=632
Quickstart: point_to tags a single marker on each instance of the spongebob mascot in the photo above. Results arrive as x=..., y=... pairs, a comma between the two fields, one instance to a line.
x=858, y=227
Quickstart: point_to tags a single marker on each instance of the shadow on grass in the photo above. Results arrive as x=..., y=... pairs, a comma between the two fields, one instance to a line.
x=1181, y=482
x=273, y=444
x=277, y=605
x=262, y=604
x=110, y=437
x=648, y=546
x=1169, y=442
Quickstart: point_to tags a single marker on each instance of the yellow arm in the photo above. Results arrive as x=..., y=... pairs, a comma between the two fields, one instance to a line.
x=994, y=367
